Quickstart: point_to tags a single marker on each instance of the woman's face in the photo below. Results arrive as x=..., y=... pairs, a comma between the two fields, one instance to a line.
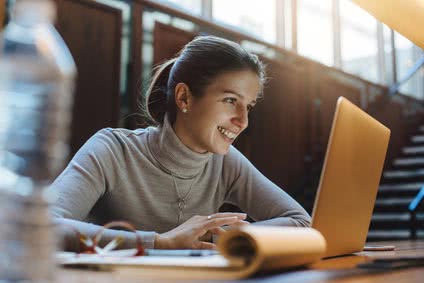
x=214, y=120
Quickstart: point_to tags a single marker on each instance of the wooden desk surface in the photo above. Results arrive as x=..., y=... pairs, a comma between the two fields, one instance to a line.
x=340, y=269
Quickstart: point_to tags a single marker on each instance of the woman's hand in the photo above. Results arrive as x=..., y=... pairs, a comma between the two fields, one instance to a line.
x=188, y=235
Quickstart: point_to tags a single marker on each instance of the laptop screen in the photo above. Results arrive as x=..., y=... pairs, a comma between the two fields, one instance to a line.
x=350, y=178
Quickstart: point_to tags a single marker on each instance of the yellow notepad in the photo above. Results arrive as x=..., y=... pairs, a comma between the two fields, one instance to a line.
x=243, y=252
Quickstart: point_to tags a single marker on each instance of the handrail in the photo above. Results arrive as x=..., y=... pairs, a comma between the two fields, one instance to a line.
x=416, y=201
x=412, y=208
x=395, y=87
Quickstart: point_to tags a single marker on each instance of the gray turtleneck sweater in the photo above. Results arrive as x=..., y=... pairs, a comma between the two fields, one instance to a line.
x=129, y=175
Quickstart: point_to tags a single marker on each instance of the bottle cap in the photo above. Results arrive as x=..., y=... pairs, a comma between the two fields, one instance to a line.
x=28, y=12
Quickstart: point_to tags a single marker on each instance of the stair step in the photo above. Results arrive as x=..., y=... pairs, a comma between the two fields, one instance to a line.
x=392, y=204
x=405, y=186
x=400, y=176
x=384, y=235
x=404, y=173
x=390, y=217
x=391, y=201
x=413, y=150
x=417, y=139
x=397, y=192
x=393, y=221
x=412, y=161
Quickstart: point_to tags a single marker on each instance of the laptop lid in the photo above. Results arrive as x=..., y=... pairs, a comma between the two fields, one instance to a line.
x=349, y=179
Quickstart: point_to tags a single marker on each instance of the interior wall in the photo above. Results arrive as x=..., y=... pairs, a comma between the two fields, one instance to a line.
x=93, y=34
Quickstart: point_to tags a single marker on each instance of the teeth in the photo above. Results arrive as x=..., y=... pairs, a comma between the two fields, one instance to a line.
x=227, y=133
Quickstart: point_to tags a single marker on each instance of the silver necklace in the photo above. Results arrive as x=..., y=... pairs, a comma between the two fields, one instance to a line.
x=181, y=201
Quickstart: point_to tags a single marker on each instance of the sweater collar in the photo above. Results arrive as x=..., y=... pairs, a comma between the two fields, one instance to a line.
x=173, y=156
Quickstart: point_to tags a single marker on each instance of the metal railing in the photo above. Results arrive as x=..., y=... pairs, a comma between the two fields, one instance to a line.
x=412, y=208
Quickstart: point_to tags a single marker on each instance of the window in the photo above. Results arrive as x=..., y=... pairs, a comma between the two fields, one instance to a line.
x=334, y=32
x=406, y=56
x=315, y=31
x=387, y=76
x=287, y=23
x=358, y=41
x=126, y=15
x=256, y=17
x=189, y=6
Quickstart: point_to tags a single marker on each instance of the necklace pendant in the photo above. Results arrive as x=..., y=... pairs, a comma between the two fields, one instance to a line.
x=181, y=204
x=179, y=217
x=181, y=201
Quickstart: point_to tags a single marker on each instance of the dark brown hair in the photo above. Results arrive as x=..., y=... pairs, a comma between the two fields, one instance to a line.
x=197, y=64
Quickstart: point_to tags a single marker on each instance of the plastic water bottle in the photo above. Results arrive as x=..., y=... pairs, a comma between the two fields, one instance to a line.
x=37, y=75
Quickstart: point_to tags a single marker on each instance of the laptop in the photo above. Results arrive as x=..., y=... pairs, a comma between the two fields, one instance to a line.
x=349, y=179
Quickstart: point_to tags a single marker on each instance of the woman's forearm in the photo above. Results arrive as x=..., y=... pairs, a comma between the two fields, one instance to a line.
x=286, y=221
x=70, y=241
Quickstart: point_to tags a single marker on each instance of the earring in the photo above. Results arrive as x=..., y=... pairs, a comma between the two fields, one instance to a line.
x=184, y=110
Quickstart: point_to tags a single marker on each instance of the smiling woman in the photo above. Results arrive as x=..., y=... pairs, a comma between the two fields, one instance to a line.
x=170, y=179
x=214, y=83
x=213, y=120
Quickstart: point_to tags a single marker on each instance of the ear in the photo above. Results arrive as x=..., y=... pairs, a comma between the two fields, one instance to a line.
x=183, y=97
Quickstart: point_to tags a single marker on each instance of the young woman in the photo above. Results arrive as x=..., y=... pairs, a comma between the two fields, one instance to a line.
x=169, y=180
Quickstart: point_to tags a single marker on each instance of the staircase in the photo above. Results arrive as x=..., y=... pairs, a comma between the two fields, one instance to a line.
x=399, y=186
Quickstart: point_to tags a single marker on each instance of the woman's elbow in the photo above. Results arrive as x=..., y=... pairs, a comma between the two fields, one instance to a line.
x=303, y=221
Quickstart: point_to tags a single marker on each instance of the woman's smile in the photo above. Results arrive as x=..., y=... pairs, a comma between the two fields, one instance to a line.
x=227, y=133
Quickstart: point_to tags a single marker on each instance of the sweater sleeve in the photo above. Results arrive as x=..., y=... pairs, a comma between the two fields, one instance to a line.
x=86, y=178
x=256, y=195
x=91, y=173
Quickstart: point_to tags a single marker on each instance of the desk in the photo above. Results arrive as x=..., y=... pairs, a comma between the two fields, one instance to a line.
x=340, y=270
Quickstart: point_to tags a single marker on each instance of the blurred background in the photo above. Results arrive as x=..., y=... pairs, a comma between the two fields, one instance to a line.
x=315, y=51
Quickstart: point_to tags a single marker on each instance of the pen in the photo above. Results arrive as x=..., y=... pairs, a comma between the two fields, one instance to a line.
x=154, y=252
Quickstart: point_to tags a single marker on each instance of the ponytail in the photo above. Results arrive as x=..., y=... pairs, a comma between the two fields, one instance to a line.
x=156, y=102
